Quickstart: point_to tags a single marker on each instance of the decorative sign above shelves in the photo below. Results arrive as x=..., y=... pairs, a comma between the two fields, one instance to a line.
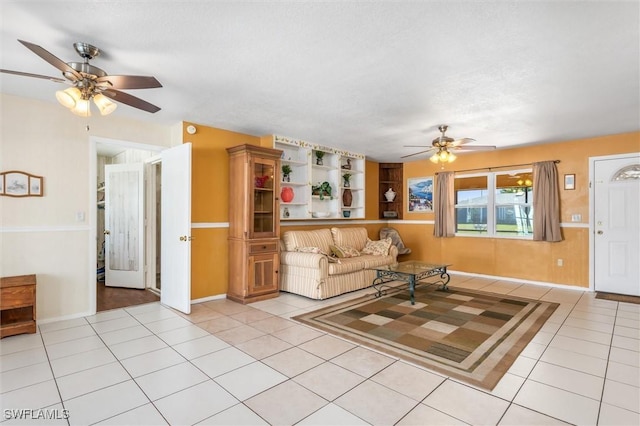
x=21, y=184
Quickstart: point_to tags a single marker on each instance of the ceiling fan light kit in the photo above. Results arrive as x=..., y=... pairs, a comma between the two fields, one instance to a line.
x=74, y=99
x=68, y=97
x=443, y=156
x=90, y=82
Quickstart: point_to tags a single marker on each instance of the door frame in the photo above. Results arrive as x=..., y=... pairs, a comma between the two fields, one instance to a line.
x=94, y=141
x=592, y=209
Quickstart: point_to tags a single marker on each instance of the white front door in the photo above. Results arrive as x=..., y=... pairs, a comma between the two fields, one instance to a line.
x=124, y=230
x=617, y=225
x=175, y=222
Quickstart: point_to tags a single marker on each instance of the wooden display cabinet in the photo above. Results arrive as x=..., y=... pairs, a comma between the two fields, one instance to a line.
x=390, y=176
x=254, y=224
x=17, y=305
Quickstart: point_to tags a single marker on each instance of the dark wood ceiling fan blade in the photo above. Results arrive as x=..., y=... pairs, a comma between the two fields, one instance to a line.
x=130, y=100
x=52, y=59
x=417, y=146
x=28, y=74
x=418, y=153
x=130, y=81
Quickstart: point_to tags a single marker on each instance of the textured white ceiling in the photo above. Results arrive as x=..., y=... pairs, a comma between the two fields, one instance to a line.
x=365, y=76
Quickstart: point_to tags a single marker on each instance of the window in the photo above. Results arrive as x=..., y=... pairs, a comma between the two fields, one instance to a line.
x=495, y=204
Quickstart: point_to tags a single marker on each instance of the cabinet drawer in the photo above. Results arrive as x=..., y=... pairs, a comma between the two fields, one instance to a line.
x=269, y=247
x=13, y=297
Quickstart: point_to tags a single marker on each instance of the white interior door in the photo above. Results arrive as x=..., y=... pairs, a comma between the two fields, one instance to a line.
x=124, y=226
x=617, y=225
x=175, y=225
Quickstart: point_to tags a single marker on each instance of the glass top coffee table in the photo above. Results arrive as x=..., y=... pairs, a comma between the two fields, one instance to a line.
x=410, y=272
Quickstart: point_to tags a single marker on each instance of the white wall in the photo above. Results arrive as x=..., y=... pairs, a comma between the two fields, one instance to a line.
x=43, y=235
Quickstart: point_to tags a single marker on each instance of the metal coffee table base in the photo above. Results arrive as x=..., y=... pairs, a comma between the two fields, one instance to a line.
x=386, y=276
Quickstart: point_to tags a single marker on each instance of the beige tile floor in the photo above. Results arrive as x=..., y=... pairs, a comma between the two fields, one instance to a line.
x=229, y=364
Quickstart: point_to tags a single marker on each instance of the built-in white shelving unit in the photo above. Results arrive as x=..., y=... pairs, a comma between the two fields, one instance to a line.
x=309, y=176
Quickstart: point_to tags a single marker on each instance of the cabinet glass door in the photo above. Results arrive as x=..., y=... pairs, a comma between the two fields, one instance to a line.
x=264, y=201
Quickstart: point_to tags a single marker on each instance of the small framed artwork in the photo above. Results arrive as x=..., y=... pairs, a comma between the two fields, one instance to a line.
x=35, y=186
x=420, y=194
x=20, y=184
x=570, y=181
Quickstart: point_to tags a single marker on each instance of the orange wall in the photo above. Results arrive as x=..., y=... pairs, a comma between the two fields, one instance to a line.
x=210, y=204
x=524, y=259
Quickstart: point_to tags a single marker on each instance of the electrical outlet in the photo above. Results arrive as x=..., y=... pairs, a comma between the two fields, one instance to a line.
x=560, y=262
x=576, y=218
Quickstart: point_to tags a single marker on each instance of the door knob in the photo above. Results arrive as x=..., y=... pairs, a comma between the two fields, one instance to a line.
x=183, y=238
x=600, y=232
x=106, y=232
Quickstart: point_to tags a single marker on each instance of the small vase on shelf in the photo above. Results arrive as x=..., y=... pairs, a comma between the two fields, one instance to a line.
x=390, y=195
x=286, y=195
x=347, y=197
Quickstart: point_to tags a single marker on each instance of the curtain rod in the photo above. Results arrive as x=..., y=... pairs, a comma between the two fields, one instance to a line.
x=497, y=167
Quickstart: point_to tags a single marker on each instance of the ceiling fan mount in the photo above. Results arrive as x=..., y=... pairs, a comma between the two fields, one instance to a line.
x=90, y=82
x=86, y=50
x=443, y=140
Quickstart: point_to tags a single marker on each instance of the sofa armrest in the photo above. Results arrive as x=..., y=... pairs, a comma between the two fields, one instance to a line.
x=393, y=251
x=304, y=260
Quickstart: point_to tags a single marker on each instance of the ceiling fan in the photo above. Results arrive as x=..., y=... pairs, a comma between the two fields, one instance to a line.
x=443, y=146
x=90, y=82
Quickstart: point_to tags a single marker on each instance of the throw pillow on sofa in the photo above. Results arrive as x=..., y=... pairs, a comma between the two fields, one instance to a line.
x=377, y=248
x=317, y=250
x=344, y=251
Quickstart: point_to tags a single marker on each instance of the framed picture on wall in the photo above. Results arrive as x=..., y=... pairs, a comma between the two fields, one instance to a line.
x=20, y=184
x=570, y=181
x=420, y=197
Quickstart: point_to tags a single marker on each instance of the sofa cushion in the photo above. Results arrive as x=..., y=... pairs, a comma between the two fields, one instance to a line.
x=350, y=264
x=371, y=261
x=351, y=237
x=320, y=238
x=378, y=248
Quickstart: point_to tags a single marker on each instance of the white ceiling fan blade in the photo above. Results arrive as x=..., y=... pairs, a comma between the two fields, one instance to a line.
x=418, y=153
x=461, y=141
x=473, y=148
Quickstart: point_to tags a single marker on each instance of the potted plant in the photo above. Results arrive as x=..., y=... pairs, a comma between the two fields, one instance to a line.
x=346, y=178
x=286, y=172
x=322, y=190
x=319, y=155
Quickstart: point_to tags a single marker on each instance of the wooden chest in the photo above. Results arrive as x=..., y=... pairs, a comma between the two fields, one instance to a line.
x=17, y=305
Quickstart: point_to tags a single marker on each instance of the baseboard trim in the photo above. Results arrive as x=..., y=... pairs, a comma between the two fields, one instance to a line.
x=521, y=280
x=208, y=298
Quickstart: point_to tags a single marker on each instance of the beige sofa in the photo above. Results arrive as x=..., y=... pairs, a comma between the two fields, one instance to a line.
x=313, y=275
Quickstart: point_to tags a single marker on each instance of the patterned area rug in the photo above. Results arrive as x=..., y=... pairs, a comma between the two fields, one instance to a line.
x=469, y=335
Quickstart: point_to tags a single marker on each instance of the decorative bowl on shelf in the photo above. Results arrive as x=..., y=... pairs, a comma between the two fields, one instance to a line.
x=319, y=215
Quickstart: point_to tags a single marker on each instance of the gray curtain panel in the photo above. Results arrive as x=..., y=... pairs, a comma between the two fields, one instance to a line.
x=546, y=202
x=444, y=206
